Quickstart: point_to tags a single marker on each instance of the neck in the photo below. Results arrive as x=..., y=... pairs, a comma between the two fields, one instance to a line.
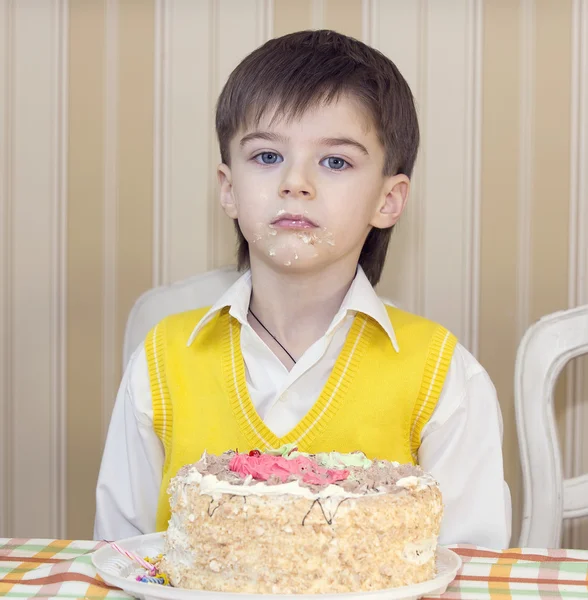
x=298, y=308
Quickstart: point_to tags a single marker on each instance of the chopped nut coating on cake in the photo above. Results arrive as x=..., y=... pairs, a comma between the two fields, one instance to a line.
x=287, y=522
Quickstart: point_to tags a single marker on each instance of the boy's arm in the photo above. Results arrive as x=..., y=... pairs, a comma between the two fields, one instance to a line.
x=132, y=463
x=462, y=448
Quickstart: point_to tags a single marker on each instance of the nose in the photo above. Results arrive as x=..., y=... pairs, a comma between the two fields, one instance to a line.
x=297, y=184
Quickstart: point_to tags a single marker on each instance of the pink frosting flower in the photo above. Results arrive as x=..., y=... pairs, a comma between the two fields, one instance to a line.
x=264, y=466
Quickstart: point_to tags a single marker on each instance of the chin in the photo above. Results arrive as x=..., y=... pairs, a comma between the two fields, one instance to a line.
x=292, y=264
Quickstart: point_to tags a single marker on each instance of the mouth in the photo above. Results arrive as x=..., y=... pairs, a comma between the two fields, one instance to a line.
x=290, y=221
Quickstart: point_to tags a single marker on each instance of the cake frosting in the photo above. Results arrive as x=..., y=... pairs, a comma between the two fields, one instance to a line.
x=289, y=522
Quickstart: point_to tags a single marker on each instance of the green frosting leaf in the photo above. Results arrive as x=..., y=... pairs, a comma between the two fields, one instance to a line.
x=337, y=460
x=329, y=460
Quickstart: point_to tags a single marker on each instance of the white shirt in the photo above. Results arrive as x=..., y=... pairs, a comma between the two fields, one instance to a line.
x=461, y=443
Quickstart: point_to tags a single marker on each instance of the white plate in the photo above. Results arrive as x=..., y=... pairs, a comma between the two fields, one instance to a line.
x=119, y=571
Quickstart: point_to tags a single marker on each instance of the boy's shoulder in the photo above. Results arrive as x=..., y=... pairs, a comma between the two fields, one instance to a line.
x=194, y=315
x=403, y=319
x=181, y=323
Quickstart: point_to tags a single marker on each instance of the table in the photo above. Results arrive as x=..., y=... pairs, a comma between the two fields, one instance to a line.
x=63, y=569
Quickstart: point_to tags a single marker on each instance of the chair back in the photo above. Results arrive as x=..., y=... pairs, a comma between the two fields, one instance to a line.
x=545, y=349
x=155, y=304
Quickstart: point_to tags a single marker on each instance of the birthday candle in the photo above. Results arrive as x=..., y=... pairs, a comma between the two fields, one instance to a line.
x=149, y=567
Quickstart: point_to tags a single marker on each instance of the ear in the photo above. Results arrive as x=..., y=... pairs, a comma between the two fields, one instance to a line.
x=394, y=196
x=226, y=195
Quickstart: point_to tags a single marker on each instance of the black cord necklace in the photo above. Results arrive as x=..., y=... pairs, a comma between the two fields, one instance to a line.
x=273, y=336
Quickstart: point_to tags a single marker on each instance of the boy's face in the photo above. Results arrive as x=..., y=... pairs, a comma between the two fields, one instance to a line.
x=307, y=191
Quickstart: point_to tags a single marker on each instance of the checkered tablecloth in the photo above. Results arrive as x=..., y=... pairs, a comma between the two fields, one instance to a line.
x=520, y=573
x=51, y=569
x=63, y=569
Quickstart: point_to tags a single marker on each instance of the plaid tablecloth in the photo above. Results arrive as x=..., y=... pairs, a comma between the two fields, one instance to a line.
x=63, y=569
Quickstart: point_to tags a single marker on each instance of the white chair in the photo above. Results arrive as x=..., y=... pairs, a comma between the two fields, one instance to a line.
x=195, y=292
x=546, y=348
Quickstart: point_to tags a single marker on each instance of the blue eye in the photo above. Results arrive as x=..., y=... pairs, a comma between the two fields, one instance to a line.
x=335, y=163
x=268, y=158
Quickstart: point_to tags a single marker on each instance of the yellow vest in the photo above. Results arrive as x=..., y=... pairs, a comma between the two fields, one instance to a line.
x=376, y=400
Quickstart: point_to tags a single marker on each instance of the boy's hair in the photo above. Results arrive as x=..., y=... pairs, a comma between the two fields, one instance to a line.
x=298, y=71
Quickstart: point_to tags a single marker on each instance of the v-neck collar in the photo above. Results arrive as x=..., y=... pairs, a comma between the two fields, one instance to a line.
x=327, y=404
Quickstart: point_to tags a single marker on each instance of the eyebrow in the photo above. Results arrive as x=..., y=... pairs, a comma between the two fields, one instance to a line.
x=276, y=137
x=262, y=135
x=344, y=141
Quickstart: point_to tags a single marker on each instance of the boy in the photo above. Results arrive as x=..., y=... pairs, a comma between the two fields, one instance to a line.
x=318, y=136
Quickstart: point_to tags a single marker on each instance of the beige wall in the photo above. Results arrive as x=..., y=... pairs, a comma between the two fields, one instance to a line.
x=107, y=188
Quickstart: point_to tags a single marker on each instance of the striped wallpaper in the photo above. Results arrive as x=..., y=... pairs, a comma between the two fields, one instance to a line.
x=107, y=188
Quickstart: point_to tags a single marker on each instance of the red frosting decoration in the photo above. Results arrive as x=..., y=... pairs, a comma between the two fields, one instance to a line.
x=264, y=466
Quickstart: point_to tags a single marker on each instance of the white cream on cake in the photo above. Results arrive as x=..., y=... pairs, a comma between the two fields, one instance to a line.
x=289, y=522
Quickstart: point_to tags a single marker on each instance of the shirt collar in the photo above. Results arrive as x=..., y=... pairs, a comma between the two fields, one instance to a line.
x=361, y=297
x=237, y=298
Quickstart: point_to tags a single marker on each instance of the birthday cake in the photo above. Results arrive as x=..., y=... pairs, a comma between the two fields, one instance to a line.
x=290, y=523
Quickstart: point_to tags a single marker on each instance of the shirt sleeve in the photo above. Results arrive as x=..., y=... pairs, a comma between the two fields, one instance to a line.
x=132, y=464
x=461, y=447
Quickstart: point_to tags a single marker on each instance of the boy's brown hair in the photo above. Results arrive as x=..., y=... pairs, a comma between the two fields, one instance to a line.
x=300, y=70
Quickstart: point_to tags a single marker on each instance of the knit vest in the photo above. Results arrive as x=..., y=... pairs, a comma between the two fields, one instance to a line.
x=376, y=400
